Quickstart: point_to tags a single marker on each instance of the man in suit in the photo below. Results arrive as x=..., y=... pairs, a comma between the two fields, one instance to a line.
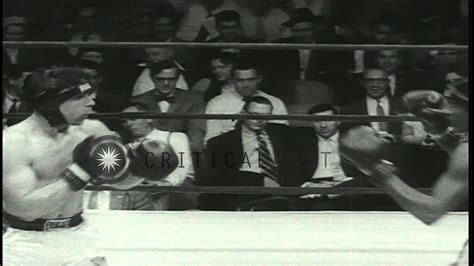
x=306, y=64
x=377, y=101
x=165, y=98
x=255, y=153
x=317, y=149
x=14, y=101
x=400, y=80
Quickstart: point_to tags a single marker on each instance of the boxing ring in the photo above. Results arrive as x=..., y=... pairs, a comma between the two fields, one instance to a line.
x=271, y=238
x=277, y=238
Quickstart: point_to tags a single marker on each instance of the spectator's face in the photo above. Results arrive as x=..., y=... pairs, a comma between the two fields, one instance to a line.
x=154, y=55
x=257, y=109
x=94, y=77
x=246, y=82
x=326, y=129
x=220, y=70
x=375, y=83
x=93, y=56
x=165, y=81
x=138, y=128
x=76, y=109
x=388, y=60
x=164, y=28
x=14, y=33
x=230, y=31
x=385, y=34
x=303, y=32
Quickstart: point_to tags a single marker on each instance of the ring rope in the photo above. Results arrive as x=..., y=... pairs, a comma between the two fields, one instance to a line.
x=301, y=117
x=254, y=190
x=254, y=46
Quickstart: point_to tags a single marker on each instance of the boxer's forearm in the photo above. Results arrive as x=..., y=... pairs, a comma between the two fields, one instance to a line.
x=42, y=200
x=426, y=208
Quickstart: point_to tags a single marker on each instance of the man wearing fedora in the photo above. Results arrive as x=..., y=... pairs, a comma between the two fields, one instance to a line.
x=305, y=64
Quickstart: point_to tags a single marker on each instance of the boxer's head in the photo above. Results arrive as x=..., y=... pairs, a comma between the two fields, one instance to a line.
x=60, y=94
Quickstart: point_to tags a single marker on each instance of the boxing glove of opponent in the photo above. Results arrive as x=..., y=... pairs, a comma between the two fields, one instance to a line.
x=363, y=147
x=430, y=106
x=152, y=159
x=98, y=160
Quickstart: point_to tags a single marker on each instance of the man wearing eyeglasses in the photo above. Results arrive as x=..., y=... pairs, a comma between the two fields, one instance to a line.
x=165, y=98
x=377, y=102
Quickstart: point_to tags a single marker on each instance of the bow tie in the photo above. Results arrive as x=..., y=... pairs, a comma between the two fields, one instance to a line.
x=168, y=98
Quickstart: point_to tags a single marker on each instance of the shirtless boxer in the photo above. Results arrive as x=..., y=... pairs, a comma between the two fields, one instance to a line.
x=447, y=118
x=45, y=169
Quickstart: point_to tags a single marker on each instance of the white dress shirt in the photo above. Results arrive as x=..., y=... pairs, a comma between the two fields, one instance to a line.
x=231, y=102
x=372, y=109
x=145, y=84
x=329, y=162
x=272, y=21
x=12, y=54
x=250, y=148
x=393, y=83
x=359, y=61
x=305, y=55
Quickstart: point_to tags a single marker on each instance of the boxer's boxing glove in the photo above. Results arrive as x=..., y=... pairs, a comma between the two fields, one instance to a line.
x=98, y=160
x=430, y=107
x=152, y=160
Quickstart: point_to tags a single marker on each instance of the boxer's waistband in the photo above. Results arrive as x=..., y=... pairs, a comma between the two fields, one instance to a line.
x=42, y=224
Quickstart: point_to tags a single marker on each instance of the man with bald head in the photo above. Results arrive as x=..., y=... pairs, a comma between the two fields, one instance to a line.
x=376, y=101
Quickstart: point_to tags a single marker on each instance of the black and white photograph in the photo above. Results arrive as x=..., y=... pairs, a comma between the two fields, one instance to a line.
x=235, y=132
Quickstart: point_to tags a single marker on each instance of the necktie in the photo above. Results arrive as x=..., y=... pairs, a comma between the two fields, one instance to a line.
x=267, y=164
x=260, y=33
x=380, y=111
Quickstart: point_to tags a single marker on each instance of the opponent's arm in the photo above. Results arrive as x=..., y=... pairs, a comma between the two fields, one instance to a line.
x=450, y=190
x=21, y=188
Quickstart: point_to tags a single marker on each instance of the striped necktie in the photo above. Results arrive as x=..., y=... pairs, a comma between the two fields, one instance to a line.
x=381, y=111
x=268, y=166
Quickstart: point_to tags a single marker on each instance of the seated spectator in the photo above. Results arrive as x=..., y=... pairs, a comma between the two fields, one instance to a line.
x=229, y=26
x=392, y=61
x=305, y=64
x=156, y=54
x=143, y=128
x=262, y=21
x=377, y=101
x=198, y=24
x=165, y=25
x=245, y=83
x=15, y=30
x=221, y=64
x=317, y=149
x=166, y=98
x=13, y=93
x=255, y=153
x=91, y=54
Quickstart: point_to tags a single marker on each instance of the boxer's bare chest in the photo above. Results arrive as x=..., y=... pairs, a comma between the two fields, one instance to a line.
x=52, y=155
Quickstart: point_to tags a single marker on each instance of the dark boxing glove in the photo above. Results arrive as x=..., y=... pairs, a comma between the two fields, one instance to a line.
x=98, y=160
x=152, y=159
x=430, y=107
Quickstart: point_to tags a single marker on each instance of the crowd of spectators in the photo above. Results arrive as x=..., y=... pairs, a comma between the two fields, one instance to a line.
x=230, y=81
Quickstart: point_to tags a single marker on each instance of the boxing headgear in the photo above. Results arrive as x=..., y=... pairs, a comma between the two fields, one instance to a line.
x=153, y=160
x=47, y=89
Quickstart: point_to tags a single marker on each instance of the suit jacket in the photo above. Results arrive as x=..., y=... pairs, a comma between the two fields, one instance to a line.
x=185, y=102
x=284, y=65
x=230, y=144
x=359, y=107
x=305, y=143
